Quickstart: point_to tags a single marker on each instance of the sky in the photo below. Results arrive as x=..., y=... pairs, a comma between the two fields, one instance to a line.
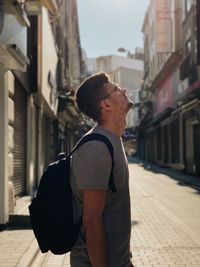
x=106, y=25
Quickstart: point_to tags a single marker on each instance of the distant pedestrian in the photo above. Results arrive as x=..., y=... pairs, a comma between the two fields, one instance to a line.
x=105, y=236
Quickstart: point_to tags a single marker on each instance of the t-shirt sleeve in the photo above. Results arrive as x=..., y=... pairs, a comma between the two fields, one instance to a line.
x=92, y=166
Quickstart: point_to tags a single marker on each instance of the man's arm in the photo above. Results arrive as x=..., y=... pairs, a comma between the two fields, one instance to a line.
x=93, y=205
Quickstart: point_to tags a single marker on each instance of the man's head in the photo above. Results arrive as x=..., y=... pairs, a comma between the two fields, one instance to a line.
x=90, y=93
x=98, y=94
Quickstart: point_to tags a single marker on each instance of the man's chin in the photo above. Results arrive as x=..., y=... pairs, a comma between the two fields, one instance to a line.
x=129, y=105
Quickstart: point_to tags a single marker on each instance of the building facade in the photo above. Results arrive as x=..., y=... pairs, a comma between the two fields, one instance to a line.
x=128, y=73
x=130, y=79
x=169, y=123
x=38, y=77
x=112, y=62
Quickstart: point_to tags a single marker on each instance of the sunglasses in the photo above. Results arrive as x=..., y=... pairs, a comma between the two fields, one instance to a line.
x=116, y=89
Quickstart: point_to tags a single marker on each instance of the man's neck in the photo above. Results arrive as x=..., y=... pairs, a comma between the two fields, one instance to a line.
x=115, y=127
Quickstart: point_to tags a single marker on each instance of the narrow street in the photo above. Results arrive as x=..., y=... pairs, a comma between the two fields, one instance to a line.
x=67, y=65
x=165, y=219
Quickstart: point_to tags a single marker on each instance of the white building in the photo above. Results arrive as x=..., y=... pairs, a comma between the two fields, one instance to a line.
x=91, y=65
x=128, y=73
x=111, y=63
x=130, y=79
x=38, y=68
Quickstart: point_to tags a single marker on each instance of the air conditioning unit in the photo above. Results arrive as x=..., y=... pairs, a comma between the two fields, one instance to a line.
x=33, y=7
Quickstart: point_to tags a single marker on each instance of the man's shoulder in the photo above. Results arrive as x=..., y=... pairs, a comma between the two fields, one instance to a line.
x=92, y=148
x=111, y=137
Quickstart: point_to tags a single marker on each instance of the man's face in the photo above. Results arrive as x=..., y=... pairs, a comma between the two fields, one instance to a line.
x=119, y=98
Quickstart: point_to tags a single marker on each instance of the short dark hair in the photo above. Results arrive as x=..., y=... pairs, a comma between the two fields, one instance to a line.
x=90, y=93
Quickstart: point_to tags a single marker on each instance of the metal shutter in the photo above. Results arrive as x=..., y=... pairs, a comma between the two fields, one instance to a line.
x=19, y=178
x=175, y=141
x=196, y=138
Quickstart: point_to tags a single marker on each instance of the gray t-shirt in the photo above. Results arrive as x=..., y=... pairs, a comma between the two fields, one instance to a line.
x=90, y=169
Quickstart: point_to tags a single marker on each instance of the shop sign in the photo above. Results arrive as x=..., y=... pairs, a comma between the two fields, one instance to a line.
x=164, y=95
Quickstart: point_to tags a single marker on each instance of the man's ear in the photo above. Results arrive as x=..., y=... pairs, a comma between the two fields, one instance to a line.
x=105, y=105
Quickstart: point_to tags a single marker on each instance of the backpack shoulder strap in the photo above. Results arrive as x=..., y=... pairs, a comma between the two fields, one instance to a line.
x=105, y=140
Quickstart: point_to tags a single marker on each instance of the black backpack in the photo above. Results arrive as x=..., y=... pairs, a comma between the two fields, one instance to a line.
x=51, y=211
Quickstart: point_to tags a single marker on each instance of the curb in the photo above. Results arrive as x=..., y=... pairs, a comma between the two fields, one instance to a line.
x=22, y=221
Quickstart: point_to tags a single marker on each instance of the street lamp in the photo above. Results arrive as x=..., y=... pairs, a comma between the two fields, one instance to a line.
x=124, y=50
x=121, y=49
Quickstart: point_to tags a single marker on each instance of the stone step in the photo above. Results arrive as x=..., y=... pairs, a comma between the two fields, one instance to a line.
x=22, y=221
x=20, y=217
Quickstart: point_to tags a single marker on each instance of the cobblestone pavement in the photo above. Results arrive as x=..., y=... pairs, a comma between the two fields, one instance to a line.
x=17, y=248
x=165, y=227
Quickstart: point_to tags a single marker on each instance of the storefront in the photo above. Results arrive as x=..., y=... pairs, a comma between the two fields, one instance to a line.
x=13, y=141
x=196, y=138
x=191, y=118
x=175, y=141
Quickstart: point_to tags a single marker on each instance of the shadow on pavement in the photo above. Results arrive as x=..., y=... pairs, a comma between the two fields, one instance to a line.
x=17, y=228
x=182, y=178
x=134, y=223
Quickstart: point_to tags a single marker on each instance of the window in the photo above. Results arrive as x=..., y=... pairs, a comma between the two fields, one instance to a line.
x=188, y=5
x=188, y=46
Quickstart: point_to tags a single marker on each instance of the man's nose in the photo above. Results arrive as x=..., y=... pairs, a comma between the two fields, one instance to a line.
x=125, y=91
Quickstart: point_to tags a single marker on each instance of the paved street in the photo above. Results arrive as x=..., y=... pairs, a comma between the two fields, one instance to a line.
x=166, y=221
x=166, y=227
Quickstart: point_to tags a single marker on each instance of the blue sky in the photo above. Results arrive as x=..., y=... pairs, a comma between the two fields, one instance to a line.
x=106, y=25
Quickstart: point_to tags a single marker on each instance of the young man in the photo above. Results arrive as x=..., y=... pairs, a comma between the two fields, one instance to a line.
x=105, y=236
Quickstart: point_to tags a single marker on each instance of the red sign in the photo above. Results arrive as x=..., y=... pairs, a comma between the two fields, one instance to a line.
x=164, y=96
